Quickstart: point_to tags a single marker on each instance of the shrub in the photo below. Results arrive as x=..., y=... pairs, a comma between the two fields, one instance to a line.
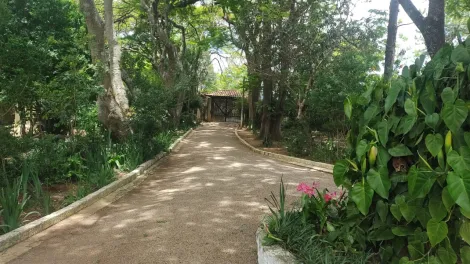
x=313, y=232
x=408, y=176
x=300, y=141
x=13, y=199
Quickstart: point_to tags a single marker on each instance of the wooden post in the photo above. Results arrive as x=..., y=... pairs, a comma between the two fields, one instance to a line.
x=226, y=109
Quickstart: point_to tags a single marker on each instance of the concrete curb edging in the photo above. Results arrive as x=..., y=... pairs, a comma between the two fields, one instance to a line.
x=272, y=254
x=11, y=238
x=319, y=166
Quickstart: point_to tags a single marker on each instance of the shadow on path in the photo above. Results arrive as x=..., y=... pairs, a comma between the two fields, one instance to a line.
x=203, y=204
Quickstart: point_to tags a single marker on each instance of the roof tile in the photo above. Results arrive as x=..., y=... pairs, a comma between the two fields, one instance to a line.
x=225, y=93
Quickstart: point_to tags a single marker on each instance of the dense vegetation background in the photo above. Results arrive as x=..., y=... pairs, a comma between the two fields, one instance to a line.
x=92, y=88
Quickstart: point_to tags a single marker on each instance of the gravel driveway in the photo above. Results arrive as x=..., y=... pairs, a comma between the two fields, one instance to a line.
x=202, y=204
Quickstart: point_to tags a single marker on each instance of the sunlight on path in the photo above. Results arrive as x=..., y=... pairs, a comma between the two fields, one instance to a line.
x=202, y=205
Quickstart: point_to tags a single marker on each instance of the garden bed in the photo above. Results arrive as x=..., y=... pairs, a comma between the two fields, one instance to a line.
x=59, y=193
x=253, y=140
x=322, y=148
x=319, y=166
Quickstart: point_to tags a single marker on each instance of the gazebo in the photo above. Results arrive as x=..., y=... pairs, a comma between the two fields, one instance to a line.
x=221, y=106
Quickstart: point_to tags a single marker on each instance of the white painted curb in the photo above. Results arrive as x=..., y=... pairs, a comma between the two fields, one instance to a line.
x=11, y=238
x=274, y=254
x=319, y=166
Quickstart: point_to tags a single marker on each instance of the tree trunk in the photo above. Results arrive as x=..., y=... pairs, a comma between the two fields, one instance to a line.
x=432, y=26
x=300, y=108
x=178, y=110
x=391, y=39
x=113, y=105
x=254, y=84
x=267, y=75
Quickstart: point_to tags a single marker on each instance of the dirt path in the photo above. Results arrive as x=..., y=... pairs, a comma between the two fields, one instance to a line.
x=203, y=204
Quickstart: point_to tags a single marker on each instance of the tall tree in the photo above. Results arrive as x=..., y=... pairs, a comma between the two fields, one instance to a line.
x=171, y=58
x=391, y=39
x=243, y=18
x=113, y=106
x=431, y=26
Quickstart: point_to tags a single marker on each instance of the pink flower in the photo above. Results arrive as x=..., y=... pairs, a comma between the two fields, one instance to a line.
x=329, y=196
x=315, y=185
x=303, y=187
x=310, y=192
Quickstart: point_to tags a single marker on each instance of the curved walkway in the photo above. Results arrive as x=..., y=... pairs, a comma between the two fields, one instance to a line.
x=202, y=204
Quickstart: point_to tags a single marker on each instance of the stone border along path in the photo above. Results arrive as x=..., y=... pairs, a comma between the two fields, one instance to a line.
x=203, y=203
x=274, y=254
x=319, y=166
x=11, y=238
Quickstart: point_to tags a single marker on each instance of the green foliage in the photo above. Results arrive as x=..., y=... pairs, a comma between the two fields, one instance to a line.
x=303, y=231
x=82, y=191
x=40, y=195
x=45, y=70
x=230, y=78
x=321, y=147
x=423, y=190
x=13, y=201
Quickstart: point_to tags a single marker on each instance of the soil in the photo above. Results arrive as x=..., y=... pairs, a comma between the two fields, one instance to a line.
x=253, y=140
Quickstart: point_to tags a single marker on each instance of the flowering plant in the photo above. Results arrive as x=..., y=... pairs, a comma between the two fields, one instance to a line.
x=321, y=209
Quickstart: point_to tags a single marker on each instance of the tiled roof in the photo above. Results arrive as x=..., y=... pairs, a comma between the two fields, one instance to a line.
x=225, y=93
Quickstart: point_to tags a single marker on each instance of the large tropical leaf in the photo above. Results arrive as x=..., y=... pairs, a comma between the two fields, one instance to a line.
x=465, y=231
x=434, y=143
x=406, y=124
x=361, y=148
x=437, y=208
x=395, y=210
x=371, y=112
x=383, y=130
x=454, y=115
x=447, y=199
x=379, y=181
x=459, y=162
x=466, y=137
x=420, y=182
x=465, y=255
x=400, y=150
x=447, y=255
x=448, y=96
x=410, y=107
x=458, y=185
x=382, y=210
x=383, y=157
x=407, y=210
x=362, y=194
x=393, y=92
x=460, y=54
x=339, y=170
x=437, y=231
x=428, y=98
x=432, y=120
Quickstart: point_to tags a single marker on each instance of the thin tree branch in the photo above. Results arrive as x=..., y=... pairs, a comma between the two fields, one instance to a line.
x=183, y=35
x=413, y=13
x=220, y=66
x=407, y=24
x=185, y=3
